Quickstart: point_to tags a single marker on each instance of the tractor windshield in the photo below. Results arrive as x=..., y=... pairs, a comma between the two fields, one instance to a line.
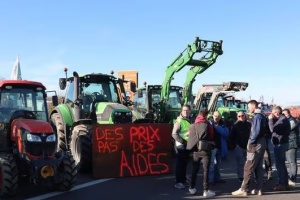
x=154, y=98
x=104, y=91
x=29, y=99
x=266, y=107
x=174, y=98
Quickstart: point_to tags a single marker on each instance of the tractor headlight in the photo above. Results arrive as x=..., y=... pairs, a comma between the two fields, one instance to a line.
x=51, y=138
x=128, y=114
x=117, y=114
x=33, y=138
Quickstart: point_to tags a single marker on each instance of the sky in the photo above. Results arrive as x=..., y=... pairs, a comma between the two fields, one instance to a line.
x=261, y=41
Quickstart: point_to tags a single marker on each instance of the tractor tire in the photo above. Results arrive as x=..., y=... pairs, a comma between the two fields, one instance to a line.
x=58, y=127
x=69, y=172
x=81, y=147
x=8, y=176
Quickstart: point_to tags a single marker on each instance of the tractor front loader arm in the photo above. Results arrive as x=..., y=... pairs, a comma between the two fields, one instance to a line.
x=199, y=66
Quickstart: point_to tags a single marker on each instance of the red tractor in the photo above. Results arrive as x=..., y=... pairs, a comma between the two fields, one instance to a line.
x=27, y=141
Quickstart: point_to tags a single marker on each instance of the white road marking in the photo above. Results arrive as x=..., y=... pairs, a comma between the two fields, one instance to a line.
x=77, y=187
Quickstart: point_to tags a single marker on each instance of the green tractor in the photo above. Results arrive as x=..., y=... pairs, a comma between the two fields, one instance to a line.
x=164, y=102
x=220, y=97
x=146, y=104
x=89, y=99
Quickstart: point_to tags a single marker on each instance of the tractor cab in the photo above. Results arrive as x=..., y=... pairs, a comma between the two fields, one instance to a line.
x=147, y=101
x=98, y=98
x=17, y=97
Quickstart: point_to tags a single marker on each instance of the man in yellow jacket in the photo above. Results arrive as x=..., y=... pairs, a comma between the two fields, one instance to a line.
x=180, y=134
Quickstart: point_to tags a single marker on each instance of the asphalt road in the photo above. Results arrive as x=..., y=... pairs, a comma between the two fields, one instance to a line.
x=153, y=187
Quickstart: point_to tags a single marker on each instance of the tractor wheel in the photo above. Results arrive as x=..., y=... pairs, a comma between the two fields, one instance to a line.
x=81, y=147
x=58, y=127
x=69, y=172
x=8, y=176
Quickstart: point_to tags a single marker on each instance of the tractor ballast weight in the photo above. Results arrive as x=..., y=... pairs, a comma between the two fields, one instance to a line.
x=27, y=140
x=89, y=99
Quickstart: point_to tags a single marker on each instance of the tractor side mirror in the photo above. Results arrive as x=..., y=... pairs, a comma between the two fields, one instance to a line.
x=62, y=83
x=140, y=93
x=55, y=100
x=132, y=86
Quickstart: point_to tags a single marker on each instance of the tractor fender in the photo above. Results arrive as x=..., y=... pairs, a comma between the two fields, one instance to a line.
x=65, y=114
x=82, y=121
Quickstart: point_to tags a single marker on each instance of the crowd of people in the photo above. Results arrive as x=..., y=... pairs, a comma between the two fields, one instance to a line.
x=206, y=139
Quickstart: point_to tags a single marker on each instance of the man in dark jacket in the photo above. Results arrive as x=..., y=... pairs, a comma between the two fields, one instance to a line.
x=240, y=134
x=280, y=128
x=200, y=130
x=255, y=152
x=293, y=145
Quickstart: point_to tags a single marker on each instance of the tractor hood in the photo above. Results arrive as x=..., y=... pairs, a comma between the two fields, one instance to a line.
x=112, y=113
x=33, y=126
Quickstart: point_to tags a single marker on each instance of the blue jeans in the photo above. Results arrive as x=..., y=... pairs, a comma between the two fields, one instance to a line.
x=291, y=157
x=214, y=166
x=279, y=154
x=181, y=164
x=240, y=157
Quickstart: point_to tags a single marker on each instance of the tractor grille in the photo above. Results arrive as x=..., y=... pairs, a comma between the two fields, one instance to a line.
x=40, y=148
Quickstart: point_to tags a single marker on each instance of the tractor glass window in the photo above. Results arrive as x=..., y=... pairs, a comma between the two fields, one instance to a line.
x=220, y=102
x=155, y=98
x=140, y=102
x=70, y=93
x=23, y=99
x=244, y=106
x=205, y=100
x=265, y=107
x=100, y=92
x=174, y=99
x=231, y=104
x=113, y=92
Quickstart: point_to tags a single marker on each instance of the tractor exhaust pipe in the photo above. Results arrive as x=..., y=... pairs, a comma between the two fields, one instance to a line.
x=76, y=97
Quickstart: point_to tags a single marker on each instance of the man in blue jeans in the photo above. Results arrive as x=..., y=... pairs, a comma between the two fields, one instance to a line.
x=280, y=128
x=240, y=134
x=294, y=144
x=220, y=150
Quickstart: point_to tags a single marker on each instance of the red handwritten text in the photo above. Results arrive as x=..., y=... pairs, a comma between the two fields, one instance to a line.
x=143, y=138
x=108, y=139
x=140, y=164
